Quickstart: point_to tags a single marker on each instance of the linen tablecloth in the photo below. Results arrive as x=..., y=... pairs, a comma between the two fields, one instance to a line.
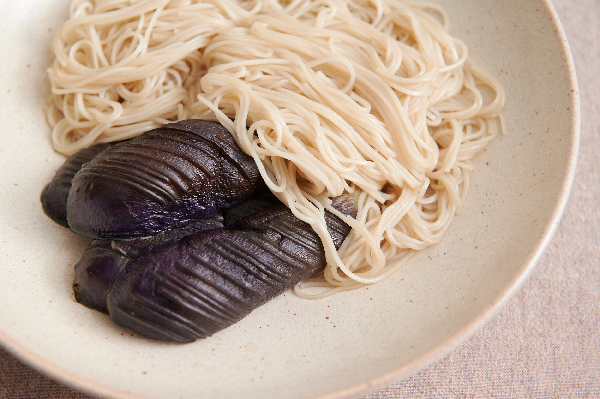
x=545, y=343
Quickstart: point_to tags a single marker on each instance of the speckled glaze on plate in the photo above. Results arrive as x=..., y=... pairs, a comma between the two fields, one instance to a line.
x=339, y=347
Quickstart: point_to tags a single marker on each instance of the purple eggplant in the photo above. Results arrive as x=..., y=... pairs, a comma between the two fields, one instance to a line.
x=193, y=287
x=161, y=180
x=258, y=203
x=103, y=260
x=54, y=196
x=96, y=272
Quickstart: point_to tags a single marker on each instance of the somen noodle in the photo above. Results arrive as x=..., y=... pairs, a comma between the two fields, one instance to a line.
x=372, y=97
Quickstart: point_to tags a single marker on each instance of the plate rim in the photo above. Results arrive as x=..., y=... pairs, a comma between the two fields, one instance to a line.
x=489, y=312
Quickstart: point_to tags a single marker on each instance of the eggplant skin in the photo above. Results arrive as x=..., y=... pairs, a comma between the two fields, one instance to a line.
x=191, y=288
x=54, y=195
x=258, y=203
x=161, y=180
x=104, y=260
x=96, y=272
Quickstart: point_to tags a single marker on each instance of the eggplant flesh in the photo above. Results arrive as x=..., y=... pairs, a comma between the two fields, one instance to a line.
x=161, y=180
x=193, y=287
x=54, y=195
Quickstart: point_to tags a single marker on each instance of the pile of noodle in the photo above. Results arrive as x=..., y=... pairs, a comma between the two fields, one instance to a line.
x=371, y=97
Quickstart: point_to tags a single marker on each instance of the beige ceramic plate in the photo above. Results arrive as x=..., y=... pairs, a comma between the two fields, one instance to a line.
x=291, y=348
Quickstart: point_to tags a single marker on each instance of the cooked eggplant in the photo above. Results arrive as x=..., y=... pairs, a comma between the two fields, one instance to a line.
x=54, y=196
x=193, y=287
x=96, y=272
x=258, y=203
x=164, y=262
x=103, y=260
x=161, y=180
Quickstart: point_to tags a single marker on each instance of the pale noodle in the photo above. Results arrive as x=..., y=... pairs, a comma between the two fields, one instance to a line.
x=372, y=97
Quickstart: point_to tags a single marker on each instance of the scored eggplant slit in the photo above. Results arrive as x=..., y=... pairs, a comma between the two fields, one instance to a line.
x=103, y=260
x=188, y=240
x=161, y=180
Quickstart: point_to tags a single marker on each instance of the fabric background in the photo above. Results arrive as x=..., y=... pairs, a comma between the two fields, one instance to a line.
x=545, y=343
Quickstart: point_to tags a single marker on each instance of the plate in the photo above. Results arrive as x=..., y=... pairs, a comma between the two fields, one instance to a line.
x=338, y=347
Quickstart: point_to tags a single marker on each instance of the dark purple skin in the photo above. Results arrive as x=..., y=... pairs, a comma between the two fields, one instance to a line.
x=258, y=203
x=96, y=272
x=54, y=196
x=103, y=260
x=161, y=180
x=191, y=288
